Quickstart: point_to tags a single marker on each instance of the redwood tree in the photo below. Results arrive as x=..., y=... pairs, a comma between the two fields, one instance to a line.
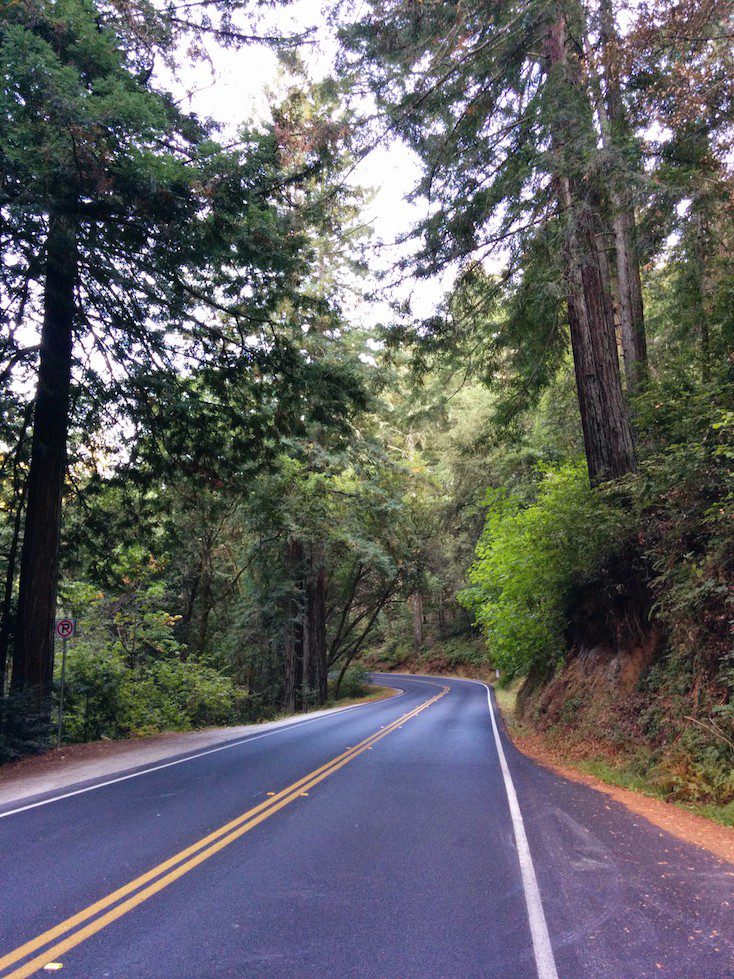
x=624, y=167
x=33, y=648
x=604, y=418
x=491, y=99
x=137, y=247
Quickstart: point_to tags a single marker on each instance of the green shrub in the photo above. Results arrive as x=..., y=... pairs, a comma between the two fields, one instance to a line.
x=355, y=682
x=106, y=698
x=463, y=651
x=530, y=557
x=392, y=653
x=98, y=685
x=127, y=675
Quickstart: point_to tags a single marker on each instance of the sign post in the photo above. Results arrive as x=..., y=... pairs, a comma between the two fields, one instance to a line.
x=65, y=629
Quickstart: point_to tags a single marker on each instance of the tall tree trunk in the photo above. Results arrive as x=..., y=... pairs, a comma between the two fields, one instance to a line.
x=20, y=488
x=205, y=595
x=6, y=618
x=702, y=304
x=188, y=614
x=614, y=127
x=315, y=668
x=416, y=604
x=605, y=421
x=342, y=673
x=33, y=651
x=293, y=660
x=631, y=309
x=322, y=672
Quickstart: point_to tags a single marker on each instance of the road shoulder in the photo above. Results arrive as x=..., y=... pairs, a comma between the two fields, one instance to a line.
x=674, y=819
x=73, y=764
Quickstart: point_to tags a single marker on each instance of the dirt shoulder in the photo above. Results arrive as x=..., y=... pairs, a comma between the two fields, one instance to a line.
x=674, y=819
x=72, y=764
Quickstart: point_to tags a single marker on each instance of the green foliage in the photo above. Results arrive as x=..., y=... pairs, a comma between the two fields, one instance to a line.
x=205, y=328
x=127, y=673
x=463, y=651
x=529, y=559
x=355, y=683
x=684, y=498
x=98, y=687
x=636, y=579
x=106, y=698
x=391, y=655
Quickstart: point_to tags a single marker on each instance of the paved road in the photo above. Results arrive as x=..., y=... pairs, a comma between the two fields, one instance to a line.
x=405, y=838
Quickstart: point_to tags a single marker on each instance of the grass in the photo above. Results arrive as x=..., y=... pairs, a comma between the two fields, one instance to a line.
x=506, y=695
x=719, y=814
x=621, y=776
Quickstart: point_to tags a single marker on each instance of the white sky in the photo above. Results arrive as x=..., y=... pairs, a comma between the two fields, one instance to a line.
x=234, y=88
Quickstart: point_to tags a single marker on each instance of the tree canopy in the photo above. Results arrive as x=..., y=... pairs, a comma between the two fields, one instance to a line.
x=248, y=491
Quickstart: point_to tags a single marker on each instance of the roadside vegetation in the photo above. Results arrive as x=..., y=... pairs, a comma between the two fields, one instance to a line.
x=247, y=492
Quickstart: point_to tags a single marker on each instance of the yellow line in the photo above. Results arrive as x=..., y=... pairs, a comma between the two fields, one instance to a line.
x=187, y=859
x=121, y=892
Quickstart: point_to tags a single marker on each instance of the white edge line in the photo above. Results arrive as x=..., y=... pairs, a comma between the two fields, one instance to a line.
x=544, y=960
x=542, y=948
x=181, y=761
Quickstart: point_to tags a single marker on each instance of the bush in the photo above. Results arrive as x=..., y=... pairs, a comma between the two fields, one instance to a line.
x=355, y=682
x=106, y=698
x=126, y=672
x=391, y=655
x=464, y=651
x=529, y=559
x=97, y=695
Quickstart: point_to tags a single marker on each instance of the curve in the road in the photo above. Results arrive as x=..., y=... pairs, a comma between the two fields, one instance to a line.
x=413, y=862
x=186, y=860
x=148, y=769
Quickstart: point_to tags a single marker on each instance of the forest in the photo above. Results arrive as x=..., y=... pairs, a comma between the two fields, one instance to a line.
x=251, y=467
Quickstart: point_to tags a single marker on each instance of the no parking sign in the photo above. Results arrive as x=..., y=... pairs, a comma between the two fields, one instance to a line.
x=65, y=628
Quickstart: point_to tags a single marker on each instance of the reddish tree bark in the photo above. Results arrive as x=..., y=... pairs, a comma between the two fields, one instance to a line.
x=614, y=127
x=416, y=604
x=33, y=650
x=605, y=420
x=293, y=665
x=315, y=668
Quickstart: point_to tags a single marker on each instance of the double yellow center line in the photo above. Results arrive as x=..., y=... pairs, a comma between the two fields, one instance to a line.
x=90, y=920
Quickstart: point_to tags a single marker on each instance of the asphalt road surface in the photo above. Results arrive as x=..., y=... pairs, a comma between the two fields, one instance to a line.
x=404, y=838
